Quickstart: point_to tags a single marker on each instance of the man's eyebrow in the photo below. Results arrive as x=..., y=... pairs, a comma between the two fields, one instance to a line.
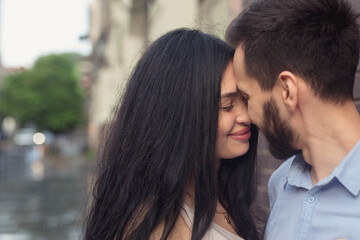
x=229, y=94
x=242, y=92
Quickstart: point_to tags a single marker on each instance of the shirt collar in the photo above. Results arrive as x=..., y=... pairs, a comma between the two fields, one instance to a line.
x=298, y=174
x=347, y=172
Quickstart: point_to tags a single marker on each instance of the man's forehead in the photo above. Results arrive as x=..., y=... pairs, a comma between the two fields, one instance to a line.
x=245, y=84
x=239, y=66
x=239, y=59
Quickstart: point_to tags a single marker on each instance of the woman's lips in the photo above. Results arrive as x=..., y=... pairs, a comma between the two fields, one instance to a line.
x=242, y=135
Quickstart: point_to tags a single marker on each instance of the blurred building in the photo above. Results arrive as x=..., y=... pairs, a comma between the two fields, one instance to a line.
x=121, y=29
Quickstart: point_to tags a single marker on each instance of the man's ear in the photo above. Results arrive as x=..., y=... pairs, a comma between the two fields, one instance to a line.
x=289, y=89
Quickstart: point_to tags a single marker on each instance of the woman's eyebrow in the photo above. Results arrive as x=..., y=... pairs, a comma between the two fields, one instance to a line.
x=229, y=94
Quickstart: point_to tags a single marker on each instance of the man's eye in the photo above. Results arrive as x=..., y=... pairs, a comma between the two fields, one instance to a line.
x=227, y=108
x=245, y=98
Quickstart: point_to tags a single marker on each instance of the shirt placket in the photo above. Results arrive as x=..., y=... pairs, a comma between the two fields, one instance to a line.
x=308, y=207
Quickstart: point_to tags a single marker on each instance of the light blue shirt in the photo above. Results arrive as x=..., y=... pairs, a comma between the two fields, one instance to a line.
x=327, y=210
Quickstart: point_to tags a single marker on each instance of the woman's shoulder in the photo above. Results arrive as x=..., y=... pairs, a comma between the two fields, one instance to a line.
x=180, y=231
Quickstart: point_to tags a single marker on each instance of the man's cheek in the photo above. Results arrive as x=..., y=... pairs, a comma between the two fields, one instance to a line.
x=252, y=115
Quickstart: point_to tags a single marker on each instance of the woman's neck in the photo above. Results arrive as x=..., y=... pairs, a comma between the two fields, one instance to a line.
x=221, y=216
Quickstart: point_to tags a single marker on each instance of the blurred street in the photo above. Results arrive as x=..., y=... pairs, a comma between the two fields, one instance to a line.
x=41, y=197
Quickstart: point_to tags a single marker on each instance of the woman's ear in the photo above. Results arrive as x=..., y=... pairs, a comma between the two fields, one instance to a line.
x=289, y=89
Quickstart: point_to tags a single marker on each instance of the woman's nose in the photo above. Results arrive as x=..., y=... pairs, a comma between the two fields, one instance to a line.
x=243, y=117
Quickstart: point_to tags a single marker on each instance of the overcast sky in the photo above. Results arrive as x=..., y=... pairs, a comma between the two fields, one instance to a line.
x=31, y=28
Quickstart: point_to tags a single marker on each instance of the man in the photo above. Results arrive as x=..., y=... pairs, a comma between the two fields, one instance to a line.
x=295, y=64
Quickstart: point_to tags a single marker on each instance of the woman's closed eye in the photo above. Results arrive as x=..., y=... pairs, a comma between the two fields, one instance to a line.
x=227, y=107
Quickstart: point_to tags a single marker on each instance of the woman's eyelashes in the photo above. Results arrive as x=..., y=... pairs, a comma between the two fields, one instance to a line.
x=228, y=107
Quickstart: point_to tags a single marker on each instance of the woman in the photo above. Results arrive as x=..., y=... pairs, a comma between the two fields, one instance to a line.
x=178, y=145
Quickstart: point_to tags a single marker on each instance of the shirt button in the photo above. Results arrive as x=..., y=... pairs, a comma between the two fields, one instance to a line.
x=311, y=199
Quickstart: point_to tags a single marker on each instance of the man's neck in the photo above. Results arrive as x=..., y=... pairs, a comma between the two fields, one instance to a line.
x=329, y=135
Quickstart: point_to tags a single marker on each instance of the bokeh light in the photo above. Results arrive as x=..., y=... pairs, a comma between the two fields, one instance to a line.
x=39, y=138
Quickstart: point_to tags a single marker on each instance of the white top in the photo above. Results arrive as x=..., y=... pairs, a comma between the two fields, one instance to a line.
x=215, y=232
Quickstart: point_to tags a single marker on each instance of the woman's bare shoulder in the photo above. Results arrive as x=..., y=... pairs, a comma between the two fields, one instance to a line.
x=181, y=231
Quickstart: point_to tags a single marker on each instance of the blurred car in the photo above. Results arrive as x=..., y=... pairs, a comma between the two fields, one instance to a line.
x=49, y=137
x=24, y=136
x=29, y=136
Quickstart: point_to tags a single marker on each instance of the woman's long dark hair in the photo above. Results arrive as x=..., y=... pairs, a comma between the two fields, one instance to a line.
x=164, y=134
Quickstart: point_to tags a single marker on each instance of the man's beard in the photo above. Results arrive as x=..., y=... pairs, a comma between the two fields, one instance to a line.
x=278, y=133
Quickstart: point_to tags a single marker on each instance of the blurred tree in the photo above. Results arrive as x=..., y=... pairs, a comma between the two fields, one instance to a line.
x=47, y=95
